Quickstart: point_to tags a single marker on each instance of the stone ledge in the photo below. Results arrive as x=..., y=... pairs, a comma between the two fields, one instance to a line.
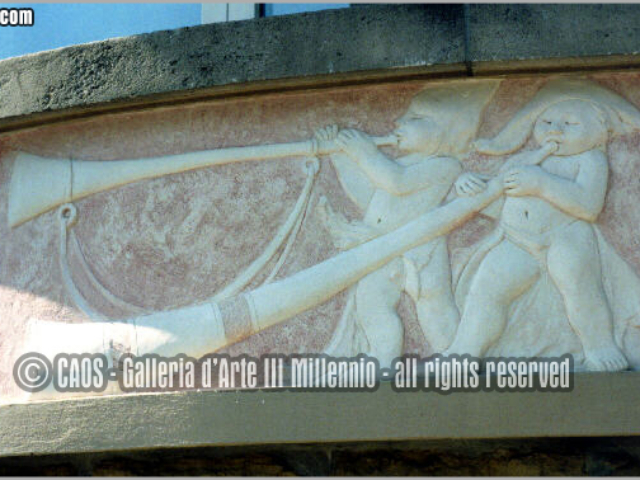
x=599, y=405
x=330, y=48
x=177, y=63
x=522, y=32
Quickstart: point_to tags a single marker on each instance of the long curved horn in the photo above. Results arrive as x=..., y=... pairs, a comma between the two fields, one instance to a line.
x=209, y=326
x=40, y=184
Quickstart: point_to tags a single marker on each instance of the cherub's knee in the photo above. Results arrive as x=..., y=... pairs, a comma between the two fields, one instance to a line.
x=574, y=271
x=573, y=255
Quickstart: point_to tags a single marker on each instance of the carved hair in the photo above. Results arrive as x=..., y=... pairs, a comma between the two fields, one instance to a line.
x=618, y=115
x=458, y=107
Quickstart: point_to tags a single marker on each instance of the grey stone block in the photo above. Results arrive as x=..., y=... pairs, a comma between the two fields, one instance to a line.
x=521, y=32
x=191, y=60
x=102, y=424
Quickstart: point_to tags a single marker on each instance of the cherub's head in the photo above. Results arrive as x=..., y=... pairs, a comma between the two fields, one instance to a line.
x=419, y=133
x=575, y=125
x=580, y=114
x=443, y=119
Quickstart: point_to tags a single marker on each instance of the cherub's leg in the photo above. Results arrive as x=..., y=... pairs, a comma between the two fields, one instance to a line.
x=574, y=265
x=436, y=307
x=506, y=273
x=377, y=296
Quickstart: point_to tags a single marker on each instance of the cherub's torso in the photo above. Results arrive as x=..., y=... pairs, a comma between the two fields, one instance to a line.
x=387, y=211
x=536, y=215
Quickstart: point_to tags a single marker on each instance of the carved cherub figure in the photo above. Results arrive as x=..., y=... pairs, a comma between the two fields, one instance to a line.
x=553, y=197
x=437, y=130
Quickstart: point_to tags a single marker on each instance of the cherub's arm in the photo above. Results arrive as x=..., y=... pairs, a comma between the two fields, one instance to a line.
x=470, y=183
x=388, y=175
x=582, y=198
x=353, y=180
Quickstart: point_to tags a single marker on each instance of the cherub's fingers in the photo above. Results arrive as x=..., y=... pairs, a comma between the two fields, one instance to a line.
x=359, y=134
x=464, y=190
x=551, y=146
x=477, y=183
x=475, y=189
x=328, y=133
x=322, y=135
x=346, y=134
x=510, y=177
x=471, y=178
x=341, y=142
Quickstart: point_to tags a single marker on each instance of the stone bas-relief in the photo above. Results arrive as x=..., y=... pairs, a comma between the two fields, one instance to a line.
x=521, y=291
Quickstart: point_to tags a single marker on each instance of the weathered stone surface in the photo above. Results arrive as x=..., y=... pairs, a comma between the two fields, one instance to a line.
x=518, y=32
x=348, y=45
x=190, y=60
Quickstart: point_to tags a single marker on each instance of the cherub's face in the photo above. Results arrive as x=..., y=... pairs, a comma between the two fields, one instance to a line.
x=574, y=125
x=418, y=134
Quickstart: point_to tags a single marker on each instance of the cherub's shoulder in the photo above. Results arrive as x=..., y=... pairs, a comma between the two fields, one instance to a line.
x=592, y=158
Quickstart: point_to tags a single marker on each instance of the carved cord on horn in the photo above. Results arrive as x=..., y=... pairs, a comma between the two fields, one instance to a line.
x=68, y=216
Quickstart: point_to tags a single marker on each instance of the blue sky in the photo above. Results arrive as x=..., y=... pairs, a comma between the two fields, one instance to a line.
x=63, y=24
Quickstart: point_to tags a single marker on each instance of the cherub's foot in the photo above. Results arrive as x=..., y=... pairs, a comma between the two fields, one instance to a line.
x=459, y=348
x=607, y=359
x=440, y=335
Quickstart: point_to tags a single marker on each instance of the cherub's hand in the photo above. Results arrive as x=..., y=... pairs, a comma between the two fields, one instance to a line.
x=469, y=184
x=327, y=134
x=523, y=181
x=345, y=234
x=356, y=144
x=550, y=147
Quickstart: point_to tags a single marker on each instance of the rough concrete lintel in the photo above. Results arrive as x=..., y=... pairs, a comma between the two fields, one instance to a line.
x=599, y=405
x=370, y=43
x=282, y=86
